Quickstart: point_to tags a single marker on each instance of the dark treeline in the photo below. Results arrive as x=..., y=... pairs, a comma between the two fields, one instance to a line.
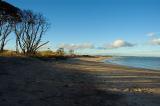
x=27, y=26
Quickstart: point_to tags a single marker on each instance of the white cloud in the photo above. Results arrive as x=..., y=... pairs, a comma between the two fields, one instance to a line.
x=155, y=41
x=118, y=44
x=77, y=46
x=151, y=34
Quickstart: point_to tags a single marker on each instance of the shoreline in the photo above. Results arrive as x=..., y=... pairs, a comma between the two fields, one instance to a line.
x=95, y=59
x=136, y=73
x=127, y=70
x=101, y=59
x=136, y=67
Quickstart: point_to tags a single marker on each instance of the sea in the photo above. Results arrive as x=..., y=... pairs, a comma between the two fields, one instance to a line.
x=137, y=62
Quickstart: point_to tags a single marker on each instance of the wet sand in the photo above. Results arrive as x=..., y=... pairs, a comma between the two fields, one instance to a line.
x=75, y=82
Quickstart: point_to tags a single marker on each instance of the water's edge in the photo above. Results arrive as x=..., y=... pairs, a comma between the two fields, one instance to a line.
x=131, y=64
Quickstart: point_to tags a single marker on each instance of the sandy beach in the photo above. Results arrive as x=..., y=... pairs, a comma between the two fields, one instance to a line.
x=75, y=82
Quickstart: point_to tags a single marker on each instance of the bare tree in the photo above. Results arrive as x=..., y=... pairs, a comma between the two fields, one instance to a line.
x=5, y=30
x=9, y=13
x=29, y=32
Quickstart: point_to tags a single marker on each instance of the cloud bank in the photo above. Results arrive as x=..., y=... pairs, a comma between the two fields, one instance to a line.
x=76, y=46
x=118, y=44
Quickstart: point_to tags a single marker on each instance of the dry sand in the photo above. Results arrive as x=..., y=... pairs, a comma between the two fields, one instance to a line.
x=75, y=82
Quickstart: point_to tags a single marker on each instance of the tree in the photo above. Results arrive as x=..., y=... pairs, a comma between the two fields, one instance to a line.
x=5, y=30
x=71, y=52
x=60, y=52
x=8, y=9
x=29, y=32
x=10, y=13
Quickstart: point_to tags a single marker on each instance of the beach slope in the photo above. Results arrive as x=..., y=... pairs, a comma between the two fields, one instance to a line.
x=75, y=82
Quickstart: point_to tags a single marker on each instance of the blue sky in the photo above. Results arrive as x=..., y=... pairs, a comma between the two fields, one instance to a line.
x=82, y=23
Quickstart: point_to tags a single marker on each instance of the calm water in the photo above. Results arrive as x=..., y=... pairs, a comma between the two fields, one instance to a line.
x=138, y=62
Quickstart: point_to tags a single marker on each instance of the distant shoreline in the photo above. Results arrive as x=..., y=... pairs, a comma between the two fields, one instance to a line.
x=95, y=58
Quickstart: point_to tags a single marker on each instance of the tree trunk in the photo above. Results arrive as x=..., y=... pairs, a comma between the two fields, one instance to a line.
x=17, y=49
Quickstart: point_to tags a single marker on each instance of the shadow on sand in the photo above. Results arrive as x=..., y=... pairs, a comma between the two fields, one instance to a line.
x=33, y=82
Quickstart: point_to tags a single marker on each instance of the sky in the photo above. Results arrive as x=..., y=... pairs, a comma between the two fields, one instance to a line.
x=100, y=27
